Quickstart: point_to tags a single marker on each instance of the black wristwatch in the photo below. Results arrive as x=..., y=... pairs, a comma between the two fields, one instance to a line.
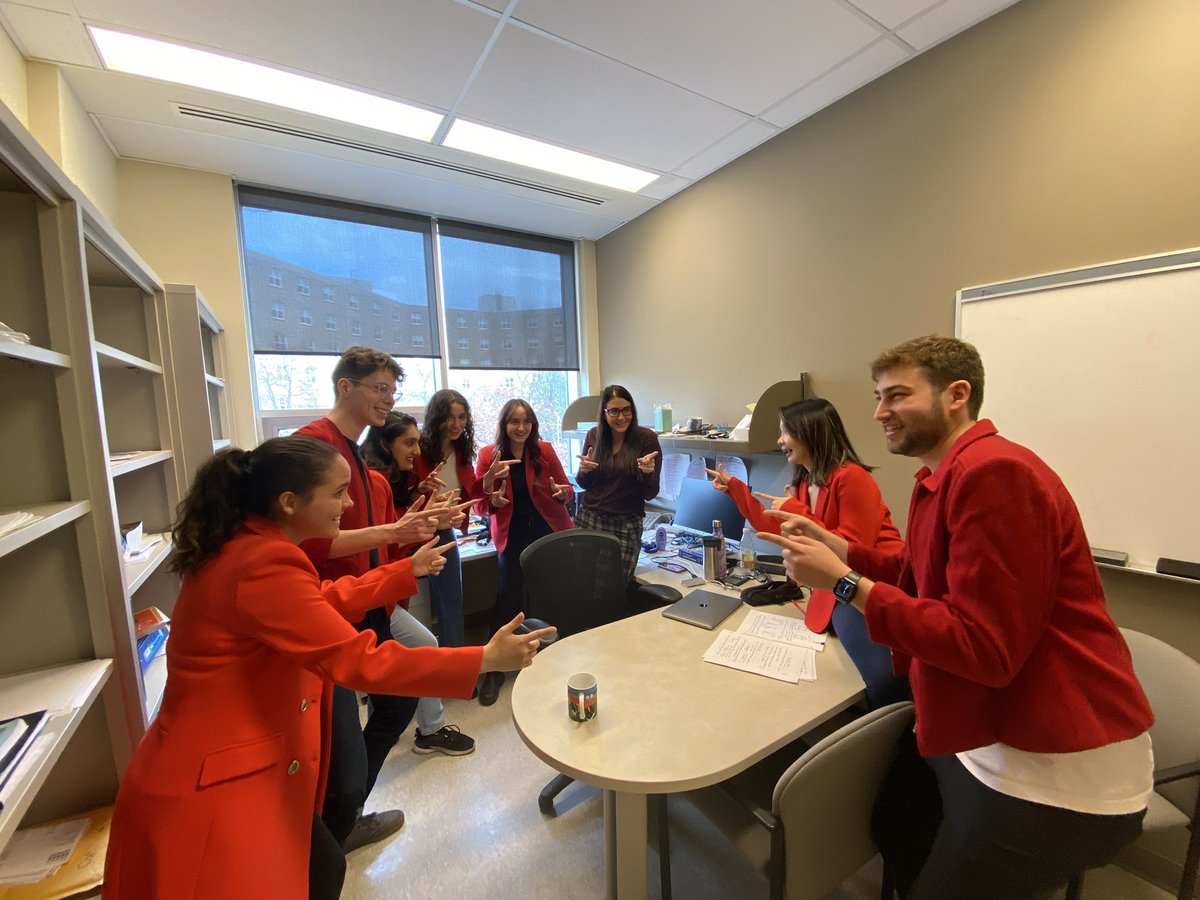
x=846, y=586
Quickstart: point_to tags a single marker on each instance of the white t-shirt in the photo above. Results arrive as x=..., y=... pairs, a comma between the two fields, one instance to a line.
x=1107, y=781
x=449, y=473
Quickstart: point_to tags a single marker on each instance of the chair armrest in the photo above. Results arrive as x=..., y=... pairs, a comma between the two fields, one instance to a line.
x=764, y=817
x=1176, y=773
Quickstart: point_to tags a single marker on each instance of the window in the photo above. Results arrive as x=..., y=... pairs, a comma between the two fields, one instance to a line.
x=492, y=281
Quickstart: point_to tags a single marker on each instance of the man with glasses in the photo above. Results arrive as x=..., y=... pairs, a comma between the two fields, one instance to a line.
x=364, y=382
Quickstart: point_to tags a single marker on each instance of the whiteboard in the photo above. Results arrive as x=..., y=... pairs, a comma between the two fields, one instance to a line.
x=1098, y=372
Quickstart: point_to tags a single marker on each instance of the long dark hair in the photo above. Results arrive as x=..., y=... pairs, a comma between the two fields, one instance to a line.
x=377, y=451
x=626, y=459
x=504, y=450
x=235, y=482
x=816, y=424
x=437, y=413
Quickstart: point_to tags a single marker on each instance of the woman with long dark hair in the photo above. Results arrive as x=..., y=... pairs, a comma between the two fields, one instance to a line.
x=221, y=796
x=619, y=471
x=446, y=462
x=390, y=450
x=832, y=486
x=528, y=504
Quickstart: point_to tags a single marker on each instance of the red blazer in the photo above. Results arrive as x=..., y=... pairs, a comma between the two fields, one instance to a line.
x=219, y=797
x=849, y=504
x=998, y=603
x=540, y=489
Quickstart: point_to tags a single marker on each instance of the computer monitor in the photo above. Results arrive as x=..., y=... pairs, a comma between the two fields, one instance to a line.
x=699, y=503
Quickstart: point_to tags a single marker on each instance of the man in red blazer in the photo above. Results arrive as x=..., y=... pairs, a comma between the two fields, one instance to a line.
x=1032, y=759
x=364, y=382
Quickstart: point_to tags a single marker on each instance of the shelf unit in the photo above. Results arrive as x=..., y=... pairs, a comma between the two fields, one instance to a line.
x=198, y=361
x=95, y=379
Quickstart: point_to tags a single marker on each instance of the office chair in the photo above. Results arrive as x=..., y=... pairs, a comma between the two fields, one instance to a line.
x=1171, y=681
x=575, y=580
x=811, y=830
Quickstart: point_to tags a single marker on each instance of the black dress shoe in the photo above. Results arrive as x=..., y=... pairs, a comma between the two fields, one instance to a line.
x=374, y=827
x=489, y=692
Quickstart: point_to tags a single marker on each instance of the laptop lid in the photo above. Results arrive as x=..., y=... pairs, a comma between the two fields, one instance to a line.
x=706, y=609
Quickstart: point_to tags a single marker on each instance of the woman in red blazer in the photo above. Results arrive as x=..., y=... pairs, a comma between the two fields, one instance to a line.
x=530, y=503
x=834, y=488
x=221, y=797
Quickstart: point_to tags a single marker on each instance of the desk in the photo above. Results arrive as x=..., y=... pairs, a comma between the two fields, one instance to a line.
x=668, y=721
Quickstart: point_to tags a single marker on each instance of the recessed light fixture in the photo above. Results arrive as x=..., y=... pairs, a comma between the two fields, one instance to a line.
x=166, y=61
x=491, y=142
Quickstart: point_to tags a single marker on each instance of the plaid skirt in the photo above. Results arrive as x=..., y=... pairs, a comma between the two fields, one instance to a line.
x=626, y=528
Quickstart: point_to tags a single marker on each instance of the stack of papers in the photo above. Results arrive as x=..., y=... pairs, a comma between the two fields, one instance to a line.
x=778, y=647
x=12, y=521
x=37, y=853
x=11, y=334
x=149, y=542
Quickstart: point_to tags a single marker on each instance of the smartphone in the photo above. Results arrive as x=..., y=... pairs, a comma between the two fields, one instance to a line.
x=738, y=579
x=672, y=567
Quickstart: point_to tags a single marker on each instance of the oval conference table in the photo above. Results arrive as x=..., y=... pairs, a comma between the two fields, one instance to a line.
x=667, y=720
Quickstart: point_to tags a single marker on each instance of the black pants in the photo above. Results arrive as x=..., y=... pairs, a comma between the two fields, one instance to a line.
x=346, y=787
x=943, y=833
x=510, y=591
x=326, y=864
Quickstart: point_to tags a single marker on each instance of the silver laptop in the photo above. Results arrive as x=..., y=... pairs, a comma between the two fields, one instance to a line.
x=704, y=608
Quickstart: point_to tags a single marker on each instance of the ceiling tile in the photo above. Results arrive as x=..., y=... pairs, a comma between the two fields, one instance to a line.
x=497, y=5
x=417, y=50
x=890, y=13
x=744, y=55
x=544, y=89
x=728, y=148
x=667, y=186
x=948, y=19
x=54, y=36
x=845, y=79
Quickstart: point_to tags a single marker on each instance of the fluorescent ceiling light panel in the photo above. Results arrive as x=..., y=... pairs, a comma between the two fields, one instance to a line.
x=165, y=61
x=523, y=151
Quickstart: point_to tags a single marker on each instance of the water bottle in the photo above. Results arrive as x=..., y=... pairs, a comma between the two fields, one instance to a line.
x=720, y=536
x=747, y=558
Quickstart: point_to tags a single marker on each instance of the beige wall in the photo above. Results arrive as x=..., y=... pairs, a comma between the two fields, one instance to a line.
x=65, y=131
x=184, y=224
x=13, y=92
x=1054, y=135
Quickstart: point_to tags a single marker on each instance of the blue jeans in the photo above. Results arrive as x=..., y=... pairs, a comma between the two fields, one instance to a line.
x=873, y=661
x=446, y=596
x=409, y=632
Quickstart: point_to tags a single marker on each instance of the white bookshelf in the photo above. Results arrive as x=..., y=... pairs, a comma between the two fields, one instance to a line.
x=96, y=379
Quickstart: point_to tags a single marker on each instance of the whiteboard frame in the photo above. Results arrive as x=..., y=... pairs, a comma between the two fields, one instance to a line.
x=1126, y=268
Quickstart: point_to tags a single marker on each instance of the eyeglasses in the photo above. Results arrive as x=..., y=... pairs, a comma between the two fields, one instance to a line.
x=624, y=412
x=383, y=390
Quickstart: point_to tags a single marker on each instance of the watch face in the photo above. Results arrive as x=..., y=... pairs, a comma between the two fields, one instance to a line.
x=845, y=587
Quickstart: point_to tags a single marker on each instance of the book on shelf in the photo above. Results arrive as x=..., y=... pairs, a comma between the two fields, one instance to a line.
x=147, y=620
x=16, y=737
x=149, y=646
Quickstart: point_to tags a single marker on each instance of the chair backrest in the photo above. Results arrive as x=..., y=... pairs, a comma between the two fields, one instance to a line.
x=825, y=799
x=1171, y=680
x=575, y=579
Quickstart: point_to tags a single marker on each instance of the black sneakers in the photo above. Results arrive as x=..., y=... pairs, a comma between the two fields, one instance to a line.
x=489, y=691
x=374, y=827
x=448, y=740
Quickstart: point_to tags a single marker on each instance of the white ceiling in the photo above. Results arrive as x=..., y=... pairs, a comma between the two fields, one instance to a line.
x=677, y=87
